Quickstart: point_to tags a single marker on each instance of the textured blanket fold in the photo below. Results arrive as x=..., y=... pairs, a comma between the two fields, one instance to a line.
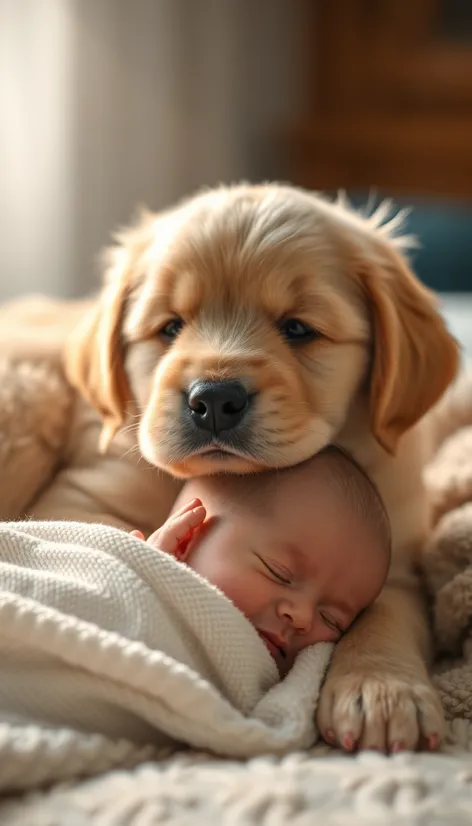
x=111, y=651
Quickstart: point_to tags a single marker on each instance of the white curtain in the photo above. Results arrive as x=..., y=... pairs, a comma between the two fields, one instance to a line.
x=106, y=104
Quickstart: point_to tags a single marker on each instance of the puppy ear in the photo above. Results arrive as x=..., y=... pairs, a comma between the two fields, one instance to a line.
x=94, y=360
x=415, y=357
x=94, y=357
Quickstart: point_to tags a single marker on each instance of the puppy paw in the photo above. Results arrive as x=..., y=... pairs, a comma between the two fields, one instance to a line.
x=388, y=712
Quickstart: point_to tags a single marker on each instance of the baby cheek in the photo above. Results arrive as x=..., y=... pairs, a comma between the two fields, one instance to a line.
x=249, y=597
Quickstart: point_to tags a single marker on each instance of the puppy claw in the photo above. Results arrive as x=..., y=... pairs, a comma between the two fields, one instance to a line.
x=349, y=742
x=383, y=713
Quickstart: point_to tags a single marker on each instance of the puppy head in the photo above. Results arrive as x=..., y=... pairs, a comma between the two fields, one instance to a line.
x=242, y=325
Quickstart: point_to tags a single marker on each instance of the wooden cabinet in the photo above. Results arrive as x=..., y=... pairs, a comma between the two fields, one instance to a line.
x=388, y=97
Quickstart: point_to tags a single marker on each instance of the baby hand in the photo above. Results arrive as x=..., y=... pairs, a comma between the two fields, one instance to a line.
x=176, y=532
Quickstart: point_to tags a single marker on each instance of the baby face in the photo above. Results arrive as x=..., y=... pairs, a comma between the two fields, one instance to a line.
x=300, y=570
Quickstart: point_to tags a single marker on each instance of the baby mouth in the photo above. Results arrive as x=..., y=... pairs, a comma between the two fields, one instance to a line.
x=274, y=645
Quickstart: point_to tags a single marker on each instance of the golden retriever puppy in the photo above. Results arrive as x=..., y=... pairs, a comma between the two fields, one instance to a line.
x=244, y=330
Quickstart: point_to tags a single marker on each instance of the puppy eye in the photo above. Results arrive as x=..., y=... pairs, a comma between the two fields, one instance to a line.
x=172, y=329
x=294, y=331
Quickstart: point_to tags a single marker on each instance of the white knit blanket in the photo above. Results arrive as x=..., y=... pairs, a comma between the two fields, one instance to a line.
x=111, y=651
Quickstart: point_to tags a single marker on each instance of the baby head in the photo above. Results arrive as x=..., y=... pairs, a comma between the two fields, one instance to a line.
x=301, y=552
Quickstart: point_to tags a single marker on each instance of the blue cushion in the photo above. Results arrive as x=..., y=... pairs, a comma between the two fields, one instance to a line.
x=444, y=230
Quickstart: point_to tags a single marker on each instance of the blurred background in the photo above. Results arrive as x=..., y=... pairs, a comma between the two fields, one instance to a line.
x=108, y=104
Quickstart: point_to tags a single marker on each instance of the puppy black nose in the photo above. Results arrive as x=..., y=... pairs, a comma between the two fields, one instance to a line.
x=217, y=405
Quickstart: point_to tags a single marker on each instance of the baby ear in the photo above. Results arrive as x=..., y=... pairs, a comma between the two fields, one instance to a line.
x=415, y=357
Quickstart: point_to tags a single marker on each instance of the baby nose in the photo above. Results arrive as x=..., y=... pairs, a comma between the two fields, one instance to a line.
x=300, y=613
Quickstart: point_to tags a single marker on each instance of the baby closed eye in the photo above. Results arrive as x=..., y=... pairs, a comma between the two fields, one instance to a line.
x=330, y=622
x=281, y=574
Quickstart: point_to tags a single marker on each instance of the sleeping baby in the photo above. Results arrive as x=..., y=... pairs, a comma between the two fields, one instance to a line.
x=216, y=632
x=300, y=552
